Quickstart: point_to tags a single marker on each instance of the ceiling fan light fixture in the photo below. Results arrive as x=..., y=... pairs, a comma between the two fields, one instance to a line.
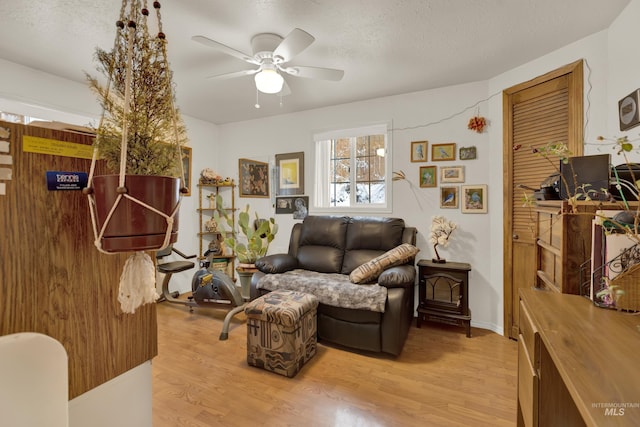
x=269, y=80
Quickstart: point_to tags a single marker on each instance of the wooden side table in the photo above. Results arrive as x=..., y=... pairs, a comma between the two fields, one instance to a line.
x=443, y=291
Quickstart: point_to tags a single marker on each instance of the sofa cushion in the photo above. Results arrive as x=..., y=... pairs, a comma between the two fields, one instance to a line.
x=322, y=243
x=369, y=271
x=369, y=237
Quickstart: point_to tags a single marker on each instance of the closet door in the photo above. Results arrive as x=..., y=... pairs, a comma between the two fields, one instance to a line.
x=544, y=110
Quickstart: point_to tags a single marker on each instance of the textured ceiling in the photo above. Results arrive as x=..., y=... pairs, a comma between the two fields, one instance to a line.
x=386, y=47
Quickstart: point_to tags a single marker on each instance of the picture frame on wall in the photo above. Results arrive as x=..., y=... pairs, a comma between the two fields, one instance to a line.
x=290, y=173
x=428, y=176
x=450, y=174
x=474, y=198
x=449, y=196
x=442, y=152
x=419, y=151
x=254, y=178
x=296, y=205
x=467, y=153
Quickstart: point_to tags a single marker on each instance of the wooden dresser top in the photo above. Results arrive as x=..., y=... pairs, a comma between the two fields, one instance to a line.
x=596, y=352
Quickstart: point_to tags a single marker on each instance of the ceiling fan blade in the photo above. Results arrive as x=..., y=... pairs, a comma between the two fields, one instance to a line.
x=224, y=49
x=314, y=72
x=235, y=74
x=295, y=42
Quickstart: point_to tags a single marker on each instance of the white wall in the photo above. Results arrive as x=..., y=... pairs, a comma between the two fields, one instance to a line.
x=623, y=72
x=124, y=401
x=438, y=116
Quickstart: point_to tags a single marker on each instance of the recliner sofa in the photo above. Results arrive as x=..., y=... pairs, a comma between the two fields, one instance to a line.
x=323, y=252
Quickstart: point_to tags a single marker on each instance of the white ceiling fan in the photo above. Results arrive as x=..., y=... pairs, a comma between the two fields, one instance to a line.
x=271, y=53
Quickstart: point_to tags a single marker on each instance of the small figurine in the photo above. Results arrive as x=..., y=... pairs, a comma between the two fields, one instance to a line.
x=211, y=225
x=209, y=176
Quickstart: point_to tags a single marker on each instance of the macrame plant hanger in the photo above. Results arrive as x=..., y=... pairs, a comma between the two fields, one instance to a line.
x=137, y=282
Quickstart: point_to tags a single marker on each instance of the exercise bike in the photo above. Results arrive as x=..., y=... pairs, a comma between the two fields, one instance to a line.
x=210, y=288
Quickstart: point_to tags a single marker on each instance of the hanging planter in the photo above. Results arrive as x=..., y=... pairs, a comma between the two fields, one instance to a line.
x=133, y=226
x=139, y=135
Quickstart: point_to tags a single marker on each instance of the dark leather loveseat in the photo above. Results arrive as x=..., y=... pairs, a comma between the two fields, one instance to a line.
x=325, y=250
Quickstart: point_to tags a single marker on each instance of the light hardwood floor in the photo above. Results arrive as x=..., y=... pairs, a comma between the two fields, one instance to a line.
x=441, y=378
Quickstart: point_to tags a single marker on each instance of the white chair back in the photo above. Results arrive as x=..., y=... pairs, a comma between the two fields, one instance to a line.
x=34, y=388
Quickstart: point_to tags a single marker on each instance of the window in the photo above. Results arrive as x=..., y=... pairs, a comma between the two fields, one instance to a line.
x=352, y=170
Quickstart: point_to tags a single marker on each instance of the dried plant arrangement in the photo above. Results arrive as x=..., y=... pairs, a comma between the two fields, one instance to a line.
x=138, y=99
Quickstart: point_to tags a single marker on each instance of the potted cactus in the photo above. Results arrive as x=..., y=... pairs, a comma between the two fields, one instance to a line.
x=250, y=241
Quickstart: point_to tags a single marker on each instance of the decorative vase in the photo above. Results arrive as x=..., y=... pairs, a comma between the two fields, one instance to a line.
x=133, y=227
x=245, y=273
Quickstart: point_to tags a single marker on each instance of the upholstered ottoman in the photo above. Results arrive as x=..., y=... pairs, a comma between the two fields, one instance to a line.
x=281, y=331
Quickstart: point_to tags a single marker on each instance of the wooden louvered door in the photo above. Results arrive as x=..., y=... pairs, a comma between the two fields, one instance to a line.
x=544, y=110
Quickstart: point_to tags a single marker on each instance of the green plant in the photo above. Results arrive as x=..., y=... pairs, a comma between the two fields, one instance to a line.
x=257, y=234
x=138, y=101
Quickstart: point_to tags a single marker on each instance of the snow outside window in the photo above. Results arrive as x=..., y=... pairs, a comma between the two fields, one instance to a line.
x=353, y=170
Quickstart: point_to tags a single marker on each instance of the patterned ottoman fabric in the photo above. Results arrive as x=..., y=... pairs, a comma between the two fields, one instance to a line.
x=281, y=331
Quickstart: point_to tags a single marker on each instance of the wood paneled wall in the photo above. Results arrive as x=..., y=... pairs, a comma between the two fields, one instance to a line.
x=52, y=278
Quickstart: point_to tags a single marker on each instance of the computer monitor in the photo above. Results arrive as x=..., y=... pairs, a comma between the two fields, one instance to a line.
x=593, y=170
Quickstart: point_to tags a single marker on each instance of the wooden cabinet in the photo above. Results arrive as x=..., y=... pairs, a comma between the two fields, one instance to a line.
x=528, y=361
x=563, y=243
x=577, y=363
x=206, y=209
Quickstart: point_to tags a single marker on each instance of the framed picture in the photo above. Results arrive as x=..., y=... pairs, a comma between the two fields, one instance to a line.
x=419, y=151
x=296, y=205
x=449, y=197
x=186, y=166
x=441, y=152
x=428, y=176
x=451, y=174
x=467, y=153
x=474, y=198
x=254, y=178
x=290, y=173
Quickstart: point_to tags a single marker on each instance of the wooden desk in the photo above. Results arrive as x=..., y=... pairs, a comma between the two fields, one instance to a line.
x=585, y=362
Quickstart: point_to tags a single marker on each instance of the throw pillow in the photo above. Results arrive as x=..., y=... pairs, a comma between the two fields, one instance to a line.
x=369, y=271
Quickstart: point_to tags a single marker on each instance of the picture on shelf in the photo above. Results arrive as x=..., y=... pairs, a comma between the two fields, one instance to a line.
x=254, y=178
x=440, y=152
x=474, y=198
x=428, y=176
x=449, y=197
x=419, y=151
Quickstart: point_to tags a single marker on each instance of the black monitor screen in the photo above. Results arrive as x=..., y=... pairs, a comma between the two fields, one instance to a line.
x=592, y=170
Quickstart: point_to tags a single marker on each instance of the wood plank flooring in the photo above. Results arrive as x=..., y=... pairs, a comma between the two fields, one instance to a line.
x=441, y=378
